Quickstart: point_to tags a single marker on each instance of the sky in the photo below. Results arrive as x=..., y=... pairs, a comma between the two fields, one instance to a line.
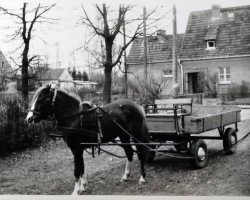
x=58, y=41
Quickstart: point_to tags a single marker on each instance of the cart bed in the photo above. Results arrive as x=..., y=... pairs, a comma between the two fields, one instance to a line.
x=202, y=119
x=206, y=118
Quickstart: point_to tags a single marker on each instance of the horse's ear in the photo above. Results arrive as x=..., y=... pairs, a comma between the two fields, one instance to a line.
x=48, y=86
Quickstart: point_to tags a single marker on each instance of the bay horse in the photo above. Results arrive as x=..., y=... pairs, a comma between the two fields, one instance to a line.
x=81, y=125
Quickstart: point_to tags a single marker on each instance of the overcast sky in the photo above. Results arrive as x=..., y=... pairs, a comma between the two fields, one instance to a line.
x=67, y=34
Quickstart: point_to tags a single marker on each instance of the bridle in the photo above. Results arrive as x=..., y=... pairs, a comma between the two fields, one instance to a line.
x=48, y=99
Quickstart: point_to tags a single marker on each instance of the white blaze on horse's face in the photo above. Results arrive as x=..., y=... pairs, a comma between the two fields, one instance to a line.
x=30, y=113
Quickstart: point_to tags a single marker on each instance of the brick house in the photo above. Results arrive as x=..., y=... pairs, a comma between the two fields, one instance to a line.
x=159, y=57
x=217, y=41
x=59, y=76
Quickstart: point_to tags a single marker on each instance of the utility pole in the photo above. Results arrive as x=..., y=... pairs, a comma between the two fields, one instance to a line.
x=175, y=69
x=125, y=61
x=145, y=45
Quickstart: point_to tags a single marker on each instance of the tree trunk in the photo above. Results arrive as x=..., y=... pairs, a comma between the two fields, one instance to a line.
x=107, y=86
x=25, y=77
x=108, y=71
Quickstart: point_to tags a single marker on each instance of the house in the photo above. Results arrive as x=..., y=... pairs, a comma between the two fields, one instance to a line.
x=216, y=41
x=159, y=58
x=6, y=72
x=58, y=76
x=85, y=84
x=216, y=44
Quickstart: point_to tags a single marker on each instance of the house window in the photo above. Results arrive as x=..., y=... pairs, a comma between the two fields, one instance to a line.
x=168, y=73
x=211, y=44
x=225, y=76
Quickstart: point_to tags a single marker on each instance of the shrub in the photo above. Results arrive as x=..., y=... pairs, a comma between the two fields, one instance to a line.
x=233, y=92
x=15, y=133
x=244, y=88
x=210, y=82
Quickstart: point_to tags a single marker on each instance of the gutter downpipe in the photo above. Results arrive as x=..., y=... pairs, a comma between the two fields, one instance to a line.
x=182, y=77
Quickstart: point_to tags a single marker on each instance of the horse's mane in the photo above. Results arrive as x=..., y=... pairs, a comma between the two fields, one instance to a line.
x=69, y=94
x=37, y=93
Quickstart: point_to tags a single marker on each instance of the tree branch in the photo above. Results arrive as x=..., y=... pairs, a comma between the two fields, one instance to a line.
x=97, y=31
x=6, y=11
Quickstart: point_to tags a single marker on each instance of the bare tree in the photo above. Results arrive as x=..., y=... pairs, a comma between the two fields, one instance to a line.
x=24, y=32
x=109, y=33
x=152, y=90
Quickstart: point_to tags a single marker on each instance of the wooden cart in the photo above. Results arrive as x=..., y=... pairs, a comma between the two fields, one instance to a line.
x=179, y=122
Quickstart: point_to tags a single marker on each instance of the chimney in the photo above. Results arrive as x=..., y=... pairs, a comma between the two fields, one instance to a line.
x=215, y=12
x=160, y=35
x=160, y=32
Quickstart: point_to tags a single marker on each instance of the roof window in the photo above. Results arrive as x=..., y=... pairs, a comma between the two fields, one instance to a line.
x=211, y=44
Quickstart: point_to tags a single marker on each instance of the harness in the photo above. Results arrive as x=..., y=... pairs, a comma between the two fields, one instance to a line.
x=93, y=134
x=82, y=131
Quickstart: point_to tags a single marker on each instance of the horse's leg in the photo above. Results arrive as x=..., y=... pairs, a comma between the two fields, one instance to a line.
x=80, y=178
x=129, y=153
x=141, y=156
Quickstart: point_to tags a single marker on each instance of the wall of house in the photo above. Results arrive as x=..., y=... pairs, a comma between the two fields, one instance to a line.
x=155, y=72
x=239, y=69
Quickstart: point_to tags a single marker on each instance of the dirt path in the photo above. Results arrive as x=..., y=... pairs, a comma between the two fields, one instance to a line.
x=49, y=170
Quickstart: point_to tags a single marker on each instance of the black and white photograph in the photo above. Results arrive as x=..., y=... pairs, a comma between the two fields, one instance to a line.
x=125, y=99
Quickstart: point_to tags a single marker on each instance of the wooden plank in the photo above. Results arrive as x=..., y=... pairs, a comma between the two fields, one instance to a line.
x=161, y=126
x=193, y=127
x=184, y=101
x=212, y=122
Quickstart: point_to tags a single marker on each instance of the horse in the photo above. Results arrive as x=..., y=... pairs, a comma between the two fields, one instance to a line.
x=82, y=125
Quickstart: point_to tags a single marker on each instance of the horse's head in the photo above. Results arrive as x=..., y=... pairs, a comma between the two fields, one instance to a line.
x=42, y=104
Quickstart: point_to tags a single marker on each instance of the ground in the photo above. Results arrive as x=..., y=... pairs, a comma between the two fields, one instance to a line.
x=49, y=170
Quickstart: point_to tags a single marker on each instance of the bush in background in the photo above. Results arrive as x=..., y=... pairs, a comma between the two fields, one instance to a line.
x=233, y=92
x=244, y=88
x=15, y=133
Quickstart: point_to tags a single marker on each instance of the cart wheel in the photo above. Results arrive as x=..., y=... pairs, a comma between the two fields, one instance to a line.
x=199, y=151
x=230, y=140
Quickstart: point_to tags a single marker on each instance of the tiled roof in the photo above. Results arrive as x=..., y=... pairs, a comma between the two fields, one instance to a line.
x=230, y=28
x=51, y=74
x=159, y=49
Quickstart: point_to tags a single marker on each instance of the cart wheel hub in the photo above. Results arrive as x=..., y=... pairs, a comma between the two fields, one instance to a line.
x=201, y=154
x=233, y=140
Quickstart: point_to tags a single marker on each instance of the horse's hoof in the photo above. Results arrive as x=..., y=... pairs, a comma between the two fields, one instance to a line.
x=142, y=180
x=125, y=177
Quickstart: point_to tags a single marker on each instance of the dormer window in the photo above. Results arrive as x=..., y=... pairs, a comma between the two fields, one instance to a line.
x=211, y=37
x=211, y=44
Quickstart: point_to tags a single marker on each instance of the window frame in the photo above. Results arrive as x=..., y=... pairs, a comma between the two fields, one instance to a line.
x=225, y=73
x=213, y=47
x=167, y=73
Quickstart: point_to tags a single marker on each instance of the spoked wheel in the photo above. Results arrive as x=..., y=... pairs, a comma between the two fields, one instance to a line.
x=199, y=151
x=230, y=140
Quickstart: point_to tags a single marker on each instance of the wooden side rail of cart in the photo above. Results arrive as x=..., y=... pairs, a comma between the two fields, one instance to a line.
x=166, y=116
